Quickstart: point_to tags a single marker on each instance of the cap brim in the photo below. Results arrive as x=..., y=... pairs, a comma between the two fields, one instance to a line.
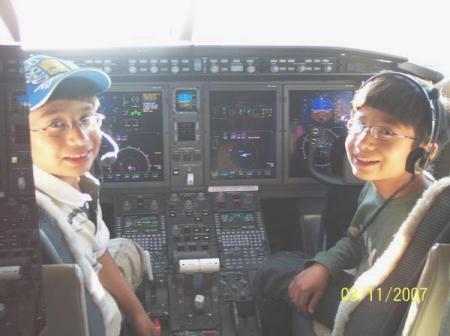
x=99, y=80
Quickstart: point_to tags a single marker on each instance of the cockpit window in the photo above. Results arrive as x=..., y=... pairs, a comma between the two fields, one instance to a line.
x=400, y=28
x=5, y=35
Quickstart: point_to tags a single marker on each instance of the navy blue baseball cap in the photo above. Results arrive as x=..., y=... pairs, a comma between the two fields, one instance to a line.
x=44, y=73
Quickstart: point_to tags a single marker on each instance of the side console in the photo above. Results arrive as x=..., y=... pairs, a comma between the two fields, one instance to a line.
x=20, y=256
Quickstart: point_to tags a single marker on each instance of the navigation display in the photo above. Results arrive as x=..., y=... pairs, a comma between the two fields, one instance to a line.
x=134, y=120
x=243, y=134
x=319, y=116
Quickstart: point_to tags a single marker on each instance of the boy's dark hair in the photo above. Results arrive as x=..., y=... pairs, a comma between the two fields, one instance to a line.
x=74, y=89
x=405, y=103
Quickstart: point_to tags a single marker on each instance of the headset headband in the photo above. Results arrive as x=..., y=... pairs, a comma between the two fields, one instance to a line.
x=431, y=96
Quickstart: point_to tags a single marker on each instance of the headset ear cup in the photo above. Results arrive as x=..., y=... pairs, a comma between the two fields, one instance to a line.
x=416, y=161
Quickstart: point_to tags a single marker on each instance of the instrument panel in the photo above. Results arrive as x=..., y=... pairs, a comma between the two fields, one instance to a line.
x=221, y=134
x=192, y=117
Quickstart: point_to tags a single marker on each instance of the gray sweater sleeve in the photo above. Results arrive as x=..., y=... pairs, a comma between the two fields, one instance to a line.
x=344, y=255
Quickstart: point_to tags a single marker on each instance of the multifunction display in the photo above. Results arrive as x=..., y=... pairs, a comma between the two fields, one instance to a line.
x=134, y=120
x=243, y=134
x=317, y=116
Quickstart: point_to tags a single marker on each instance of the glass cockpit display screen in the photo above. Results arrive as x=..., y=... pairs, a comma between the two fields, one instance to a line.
x=319, y=116
x=140, y=224
x=243, y=134
x=186, y=100
x=134, y=120
x=237, y=219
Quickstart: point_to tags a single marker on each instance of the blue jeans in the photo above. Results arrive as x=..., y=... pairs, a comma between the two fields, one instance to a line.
x=270, y=289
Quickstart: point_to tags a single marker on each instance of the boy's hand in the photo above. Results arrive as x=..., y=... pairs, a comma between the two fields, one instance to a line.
x=143, y=326
x=307, y=288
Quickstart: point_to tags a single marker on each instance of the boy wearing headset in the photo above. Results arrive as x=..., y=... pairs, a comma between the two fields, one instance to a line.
x=65, y=141
x=392, y=135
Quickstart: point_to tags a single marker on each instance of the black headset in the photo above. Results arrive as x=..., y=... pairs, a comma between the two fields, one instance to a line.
x=419, y=158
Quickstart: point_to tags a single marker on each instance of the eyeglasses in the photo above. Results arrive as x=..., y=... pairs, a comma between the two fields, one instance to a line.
x=60, y=128
x=381, y=133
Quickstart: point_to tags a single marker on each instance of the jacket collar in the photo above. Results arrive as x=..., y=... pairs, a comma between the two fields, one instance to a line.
x=62, y=191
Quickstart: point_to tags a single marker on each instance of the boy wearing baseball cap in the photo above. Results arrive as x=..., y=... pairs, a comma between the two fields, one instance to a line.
x=65, y=140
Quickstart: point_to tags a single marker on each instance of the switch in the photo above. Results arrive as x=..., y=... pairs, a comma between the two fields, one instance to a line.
x=190, y=178
x=21, y=183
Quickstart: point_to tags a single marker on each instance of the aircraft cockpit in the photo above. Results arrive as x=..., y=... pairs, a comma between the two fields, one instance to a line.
x=213, y=159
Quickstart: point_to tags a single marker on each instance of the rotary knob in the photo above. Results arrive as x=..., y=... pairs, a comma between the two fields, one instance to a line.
x=154, y=69
x=107, y=69
x=327, y=68
x=214, y=68
x=132, y=69
x=126, y=206
x=301, y=68
x=175, y=69
x=274, y=68
x=154, y=206
x=251, y=69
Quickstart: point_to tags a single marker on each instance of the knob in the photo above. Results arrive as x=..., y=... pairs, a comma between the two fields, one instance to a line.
x=188, y=205
x=248, y=198
x=220, y=200
x=126, y=206
x=201, y=196
x=175, y=69
x=154, y=69
x=176, y=232
x=251, y=69
x=214, y=68
x=274, y=68
x=327, y=68
x=132, y=69
x=154, y=206
x=107, y=69
x=301, y=68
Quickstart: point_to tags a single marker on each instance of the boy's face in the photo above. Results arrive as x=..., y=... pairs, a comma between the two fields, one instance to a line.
x=70, y=155
x=375, y=159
